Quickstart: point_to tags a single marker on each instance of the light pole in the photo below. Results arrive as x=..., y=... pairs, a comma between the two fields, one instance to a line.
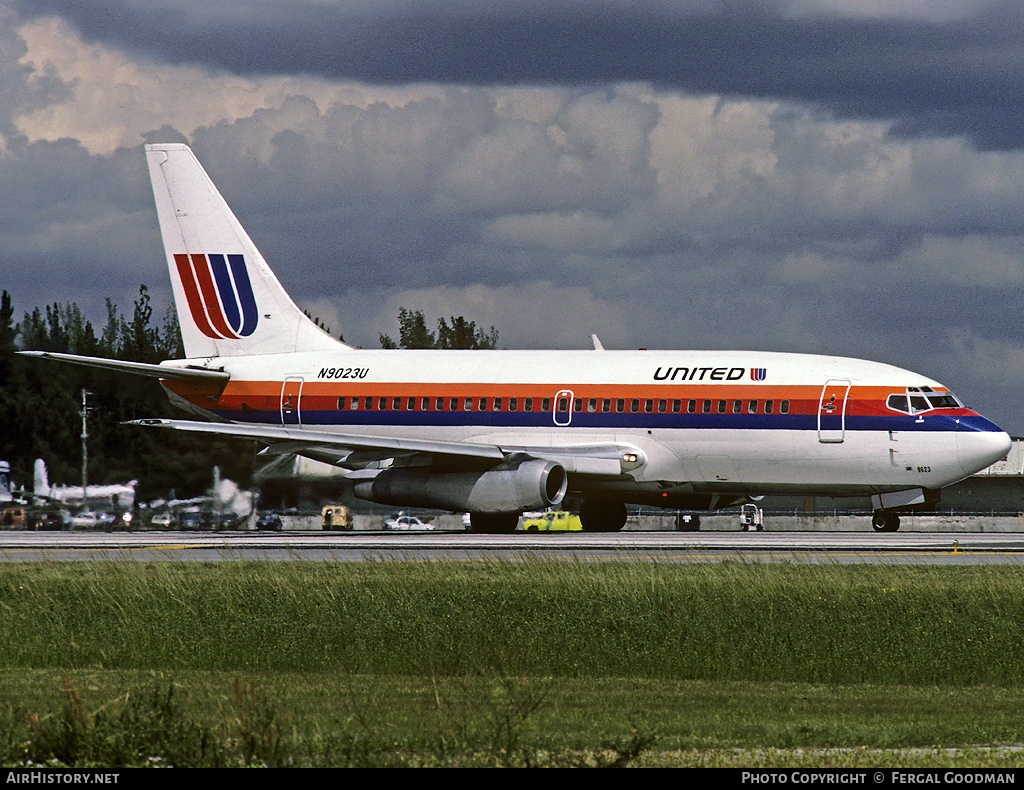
x=85, y=450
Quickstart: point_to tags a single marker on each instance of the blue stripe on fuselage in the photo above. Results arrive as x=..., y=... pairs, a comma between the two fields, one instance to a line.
x=619, y=421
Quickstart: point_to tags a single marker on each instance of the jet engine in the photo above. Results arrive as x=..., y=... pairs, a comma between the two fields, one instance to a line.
x=529, y=485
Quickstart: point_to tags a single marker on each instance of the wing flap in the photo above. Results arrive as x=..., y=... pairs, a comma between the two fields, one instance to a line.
x=302, y=438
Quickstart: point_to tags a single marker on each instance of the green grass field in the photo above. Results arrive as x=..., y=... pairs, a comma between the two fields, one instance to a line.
x=510, y=663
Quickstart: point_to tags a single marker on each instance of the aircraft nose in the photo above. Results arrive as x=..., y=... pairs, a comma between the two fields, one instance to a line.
x=979, y=449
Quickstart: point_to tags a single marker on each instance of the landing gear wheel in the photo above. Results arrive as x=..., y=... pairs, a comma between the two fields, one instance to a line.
x=687, y=522
x=494, y=523
x=885, y=521
x=602, y=515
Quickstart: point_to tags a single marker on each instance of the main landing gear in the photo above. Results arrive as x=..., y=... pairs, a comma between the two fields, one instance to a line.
x=885, y=521
x=602, y=515
x=494, y=523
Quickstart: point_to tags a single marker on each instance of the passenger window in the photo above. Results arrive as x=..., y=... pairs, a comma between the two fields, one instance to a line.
x=648, y=406
x=721, y=407
x=577, y=405
x=737, y=406
x=634, y=405
x=662, y=406
x=439, y=404
x=752, y=407
x=341, y=403
x=769, y=406
x=528, y=404
x=784, y=407
x=606, y=405
x=483, y=404
x=592, y=405
x=545, y=405
x=620, y=404
x=382, y=404
x=513, y=404
x=411, y=404
x=706, y=407
x=691, y=406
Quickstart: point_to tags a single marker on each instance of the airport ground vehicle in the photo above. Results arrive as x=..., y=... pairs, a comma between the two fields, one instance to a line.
x=12, y=514
x=164, y=519
x=552, y=521
x=44, y=520
x=751, y=517
x=336, y=517
x=191, y=520
x=402, y=521
x=268, y=520
x=90, y=520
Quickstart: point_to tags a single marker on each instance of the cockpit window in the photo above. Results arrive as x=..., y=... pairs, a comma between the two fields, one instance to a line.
x=918, y=400
x=947, y=401
x=918, y=403
x=898, y=403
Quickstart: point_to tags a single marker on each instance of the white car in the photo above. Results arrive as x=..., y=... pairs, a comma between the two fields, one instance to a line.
x=86, y=521
x=402, y=521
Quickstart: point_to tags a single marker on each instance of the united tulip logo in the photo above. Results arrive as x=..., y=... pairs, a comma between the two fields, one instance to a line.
x=219, y=294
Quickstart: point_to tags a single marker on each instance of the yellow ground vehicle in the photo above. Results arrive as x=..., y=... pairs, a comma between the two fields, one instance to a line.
x=336, y=517
x=551, y=521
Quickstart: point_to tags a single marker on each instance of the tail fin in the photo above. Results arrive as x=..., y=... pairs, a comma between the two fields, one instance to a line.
x=229, y=301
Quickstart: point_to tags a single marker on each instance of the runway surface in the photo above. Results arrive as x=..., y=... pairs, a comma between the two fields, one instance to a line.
x=922, y=548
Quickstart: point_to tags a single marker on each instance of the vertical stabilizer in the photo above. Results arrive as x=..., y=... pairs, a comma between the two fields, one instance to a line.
x=229, y=301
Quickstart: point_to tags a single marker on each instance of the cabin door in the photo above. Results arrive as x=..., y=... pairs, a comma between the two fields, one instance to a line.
x=832, y=411
x=291, y=394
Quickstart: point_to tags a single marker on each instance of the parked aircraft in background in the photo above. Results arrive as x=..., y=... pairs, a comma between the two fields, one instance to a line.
x=495, y=433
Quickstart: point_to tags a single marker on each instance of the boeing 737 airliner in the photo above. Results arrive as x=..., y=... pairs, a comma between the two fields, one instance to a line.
x=494, y=433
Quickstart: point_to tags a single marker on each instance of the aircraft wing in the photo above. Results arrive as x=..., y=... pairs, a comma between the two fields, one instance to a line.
x=351, y=451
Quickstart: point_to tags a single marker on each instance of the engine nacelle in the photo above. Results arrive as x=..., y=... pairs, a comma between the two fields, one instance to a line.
x=530, y=485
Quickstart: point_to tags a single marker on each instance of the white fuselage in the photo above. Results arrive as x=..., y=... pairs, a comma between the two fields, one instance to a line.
x=702, y=421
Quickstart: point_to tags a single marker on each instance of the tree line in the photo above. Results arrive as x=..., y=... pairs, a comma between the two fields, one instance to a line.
x=40, y=401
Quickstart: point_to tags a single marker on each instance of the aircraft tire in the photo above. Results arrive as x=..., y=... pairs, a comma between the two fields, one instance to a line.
x=602, y=515
x=494, y=523
x=687, y=522
x=885, y=521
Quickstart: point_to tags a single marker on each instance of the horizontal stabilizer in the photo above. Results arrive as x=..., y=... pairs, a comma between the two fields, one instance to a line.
x=136, y=368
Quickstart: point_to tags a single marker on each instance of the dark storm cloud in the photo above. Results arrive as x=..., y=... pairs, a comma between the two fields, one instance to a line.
x=957, y=74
